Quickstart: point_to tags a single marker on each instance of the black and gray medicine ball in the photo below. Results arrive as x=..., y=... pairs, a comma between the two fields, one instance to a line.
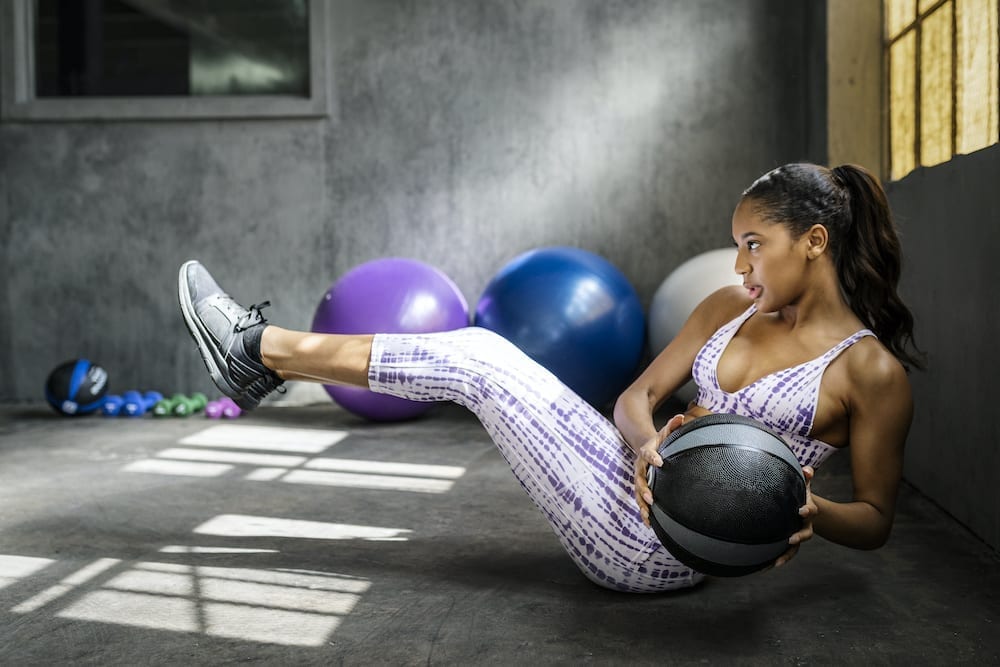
x=727, y=497
x=76, y=387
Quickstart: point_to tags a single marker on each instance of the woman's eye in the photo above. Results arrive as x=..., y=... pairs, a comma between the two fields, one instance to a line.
x=753, y=245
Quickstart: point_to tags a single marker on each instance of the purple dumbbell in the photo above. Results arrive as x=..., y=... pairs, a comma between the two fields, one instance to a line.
x=214, y=409
x=229, y=409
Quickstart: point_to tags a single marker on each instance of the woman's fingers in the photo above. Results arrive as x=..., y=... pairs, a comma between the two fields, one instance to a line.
x=649, y=455
x=674, y=423
x=643, y=496
x=787, y=556
x=650, y=451
x=808, y=512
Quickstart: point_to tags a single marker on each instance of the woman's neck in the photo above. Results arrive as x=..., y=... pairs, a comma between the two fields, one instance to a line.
x=822, y=303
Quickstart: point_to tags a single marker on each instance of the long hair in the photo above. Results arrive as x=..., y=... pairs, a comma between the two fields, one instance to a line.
x=850, y=202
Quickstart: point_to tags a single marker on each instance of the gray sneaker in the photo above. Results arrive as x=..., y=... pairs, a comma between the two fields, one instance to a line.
x=218, y=324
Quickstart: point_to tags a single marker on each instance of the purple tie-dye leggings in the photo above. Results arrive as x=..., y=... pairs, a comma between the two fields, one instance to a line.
x=569, y=458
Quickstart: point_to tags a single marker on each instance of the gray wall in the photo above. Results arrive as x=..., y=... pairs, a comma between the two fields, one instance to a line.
x=464, y=133
x=949, y=216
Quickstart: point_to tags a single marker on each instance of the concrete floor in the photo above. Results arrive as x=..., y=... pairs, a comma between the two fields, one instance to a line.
x=133, y=542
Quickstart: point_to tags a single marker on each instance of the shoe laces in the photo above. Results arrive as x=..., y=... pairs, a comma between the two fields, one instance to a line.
x=252, y=317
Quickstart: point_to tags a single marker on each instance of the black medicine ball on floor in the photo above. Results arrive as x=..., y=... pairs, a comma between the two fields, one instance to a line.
x=728, y=495
x=76, y=387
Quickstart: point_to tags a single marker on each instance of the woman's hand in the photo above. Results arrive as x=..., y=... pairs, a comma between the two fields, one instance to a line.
x=649, y=455
x=808, y=513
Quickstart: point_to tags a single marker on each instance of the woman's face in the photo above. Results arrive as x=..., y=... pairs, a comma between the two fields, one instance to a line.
x=771, y=262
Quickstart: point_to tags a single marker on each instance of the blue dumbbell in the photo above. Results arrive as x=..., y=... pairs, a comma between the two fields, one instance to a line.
x=136, y=404
x=112, y=405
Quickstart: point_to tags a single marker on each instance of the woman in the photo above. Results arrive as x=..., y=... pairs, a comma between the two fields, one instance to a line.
x=820, y=262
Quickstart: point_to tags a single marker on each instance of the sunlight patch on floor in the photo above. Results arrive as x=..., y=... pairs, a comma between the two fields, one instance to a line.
x=66, y=585
x=15, y=568
x=238, y=525
x=275, y=438
x=195, y=461
x=278, y=606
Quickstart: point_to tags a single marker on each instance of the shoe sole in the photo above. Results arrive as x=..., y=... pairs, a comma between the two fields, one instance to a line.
x=201, y=336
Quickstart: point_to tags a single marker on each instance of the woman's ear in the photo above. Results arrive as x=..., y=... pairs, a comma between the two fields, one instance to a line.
x=817, y=241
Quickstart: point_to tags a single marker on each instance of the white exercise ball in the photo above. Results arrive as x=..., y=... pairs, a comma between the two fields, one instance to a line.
x=681, y=292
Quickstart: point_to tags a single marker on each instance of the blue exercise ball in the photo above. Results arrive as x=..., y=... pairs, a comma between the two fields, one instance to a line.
x=574, y=313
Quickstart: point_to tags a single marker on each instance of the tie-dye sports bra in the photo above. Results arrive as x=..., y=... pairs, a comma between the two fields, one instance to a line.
x=785, y=401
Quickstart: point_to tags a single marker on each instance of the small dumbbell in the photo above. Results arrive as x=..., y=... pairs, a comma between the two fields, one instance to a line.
x=165, y=407
x=112, y=405
x=229, y=409
x=213, y=410
x=135, y=404
x=188, y=405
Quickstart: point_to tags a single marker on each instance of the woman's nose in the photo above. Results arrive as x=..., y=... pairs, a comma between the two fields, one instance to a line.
x=742, y=267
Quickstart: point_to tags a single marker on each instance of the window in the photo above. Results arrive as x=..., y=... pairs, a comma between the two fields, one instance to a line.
x=76, y=59
x=943, y=91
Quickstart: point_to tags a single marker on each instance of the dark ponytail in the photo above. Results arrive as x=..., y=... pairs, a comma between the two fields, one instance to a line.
x=850, y=202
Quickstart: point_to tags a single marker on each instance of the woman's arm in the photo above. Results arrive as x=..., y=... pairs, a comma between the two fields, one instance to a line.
x=881, y=408
x=671, y=368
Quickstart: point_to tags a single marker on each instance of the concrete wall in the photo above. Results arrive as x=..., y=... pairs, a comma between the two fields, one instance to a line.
x=464, y=132
x=948, y=215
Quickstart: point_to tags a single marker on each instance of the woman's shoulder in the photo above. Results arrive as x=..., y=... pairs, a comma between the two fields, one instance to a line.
x=709, y=316
x=722, y=306
x=873, y=369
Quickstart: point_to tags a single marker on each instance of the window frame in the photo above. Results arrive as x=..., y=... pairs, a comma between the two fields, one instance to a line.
x=915, y=27
x=19, y=103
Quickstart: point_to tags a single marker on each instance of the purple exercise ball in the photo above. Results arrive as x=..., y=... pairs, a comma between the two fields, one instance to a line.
x=392, y=295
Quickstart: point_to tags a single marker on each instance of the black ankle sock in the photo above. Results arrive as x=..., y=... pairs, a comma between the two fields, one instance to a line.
x=251, y=342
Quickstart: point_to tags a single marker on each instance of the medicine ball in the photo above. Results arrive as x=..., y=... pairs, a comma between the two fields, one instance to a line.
x=727, y=497
x=76, y=387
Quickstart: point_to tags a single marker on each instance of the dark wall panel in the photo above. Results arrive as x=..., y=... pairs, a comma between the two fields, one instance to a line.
x=948, y=216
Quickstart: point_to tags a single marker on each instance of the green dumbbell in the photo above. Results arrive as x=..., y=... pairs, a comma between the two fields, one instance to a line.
x=188, y=405
x=165, y=407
